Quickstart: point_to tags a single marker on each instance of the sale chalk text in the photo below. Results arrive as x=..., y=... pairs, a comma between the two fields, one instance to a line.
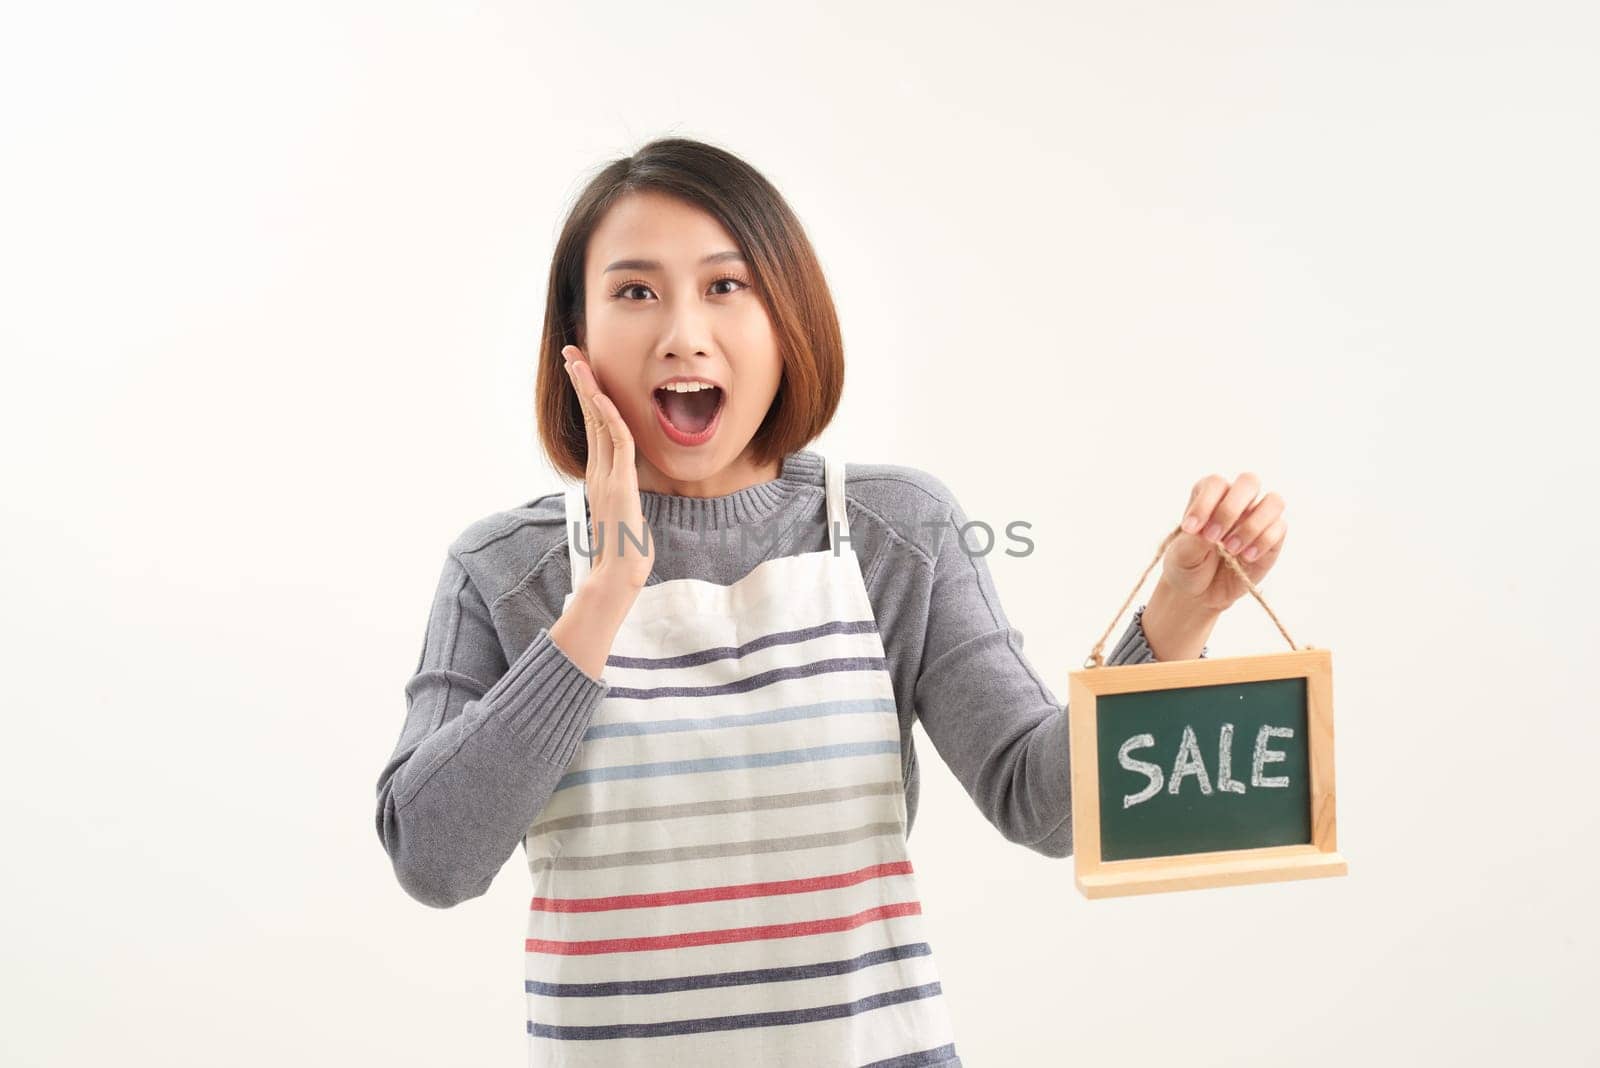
x=1189, y=762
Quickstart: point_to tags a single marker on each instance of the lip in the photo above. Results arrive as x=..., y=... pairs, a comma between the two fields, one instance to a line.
x=677, y=436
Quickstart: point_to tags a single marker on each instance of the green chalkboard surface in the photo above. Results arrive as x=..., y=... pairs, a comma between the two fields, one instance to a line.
x=1203, y=768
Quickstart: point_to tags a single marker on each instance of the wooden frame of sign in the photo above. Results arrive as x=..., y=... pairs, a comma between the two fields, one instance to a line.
x=1191, y=871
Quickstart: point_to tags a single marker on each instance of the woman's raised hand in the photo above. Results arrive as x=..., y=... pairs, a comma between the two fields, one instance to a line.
x=1225, y=516
x=617, y=525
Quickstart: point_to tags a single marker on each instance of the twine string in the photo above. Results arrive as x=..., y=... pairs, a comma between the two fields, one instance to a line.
x=1096, y=659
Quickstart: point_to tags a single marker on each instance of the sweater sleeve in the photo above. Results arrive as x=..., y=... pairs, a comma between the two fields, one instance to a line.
x=482, y=749
x=985, y=708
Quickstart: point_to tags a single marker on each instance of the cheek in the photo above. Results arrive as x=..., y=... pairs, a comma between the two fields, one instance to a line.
x=758, y=367
x=636, y=411
x=756, y=385
x=637, y=408
x=612, y=332
x=754, y=331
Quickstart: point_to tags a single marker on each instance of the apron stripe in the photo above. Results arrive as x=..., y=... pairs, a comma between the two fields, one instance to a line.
x=733, y=652
x=722, y=893
x=754, y=682
x=727, y=1023
x=718, y=807
x=728, y=763
x=743, y=719
x=721, y=979
x=760, y=933
x=918, y=1059
x=754, y=847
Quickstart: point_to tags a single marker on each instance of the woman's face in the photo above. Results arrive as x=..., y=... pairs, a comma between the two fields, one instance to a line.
x=669, y=296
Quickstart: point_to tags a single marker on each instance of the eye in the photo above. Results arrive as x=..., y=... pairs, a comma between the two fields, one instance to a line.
x=624, y=287
x=740, y=282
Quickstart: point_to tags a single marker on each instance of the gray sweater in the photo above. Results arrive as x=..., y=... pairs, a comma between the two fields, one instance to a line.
x=495, y=710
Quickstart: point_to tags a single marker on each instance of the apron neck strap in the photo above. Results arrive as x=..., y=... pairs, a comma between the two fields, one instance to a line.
x=838, y=524
x=577, y=532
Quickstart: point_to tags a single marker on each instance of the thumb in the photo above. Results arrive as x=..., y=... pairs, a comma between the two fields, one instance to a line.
x=1189, y=552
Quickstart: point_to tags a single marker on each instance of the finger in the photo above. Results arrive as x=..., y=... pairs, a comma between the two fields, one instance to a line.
x=1262, y=553
x=1231, y=507
x=616, y=429
x=1256, y=519
x=570, y=356
x=1202, y=499
x=589, y=386
x=622, y=467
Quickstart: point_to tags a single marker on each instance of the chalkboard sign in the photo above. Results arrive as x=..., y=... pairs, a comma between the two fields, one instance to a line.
x=1196, y=773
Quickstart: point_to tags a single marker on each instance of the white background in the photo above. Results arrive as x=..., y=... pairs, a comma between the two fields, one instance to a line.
x=272, y=276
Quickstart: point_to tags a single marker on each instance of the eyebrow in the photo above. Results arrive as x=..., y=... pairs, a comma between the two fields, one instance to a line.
x=655, y=265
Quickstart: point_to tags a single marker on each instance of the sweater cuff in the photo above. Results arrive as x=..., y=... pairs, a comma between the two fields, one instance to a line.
x=1134, y=648
x=547, y=700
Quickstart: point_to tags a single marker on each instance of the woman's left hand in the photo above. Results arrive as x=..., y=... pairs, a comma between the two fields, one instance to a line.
x=1223, y=516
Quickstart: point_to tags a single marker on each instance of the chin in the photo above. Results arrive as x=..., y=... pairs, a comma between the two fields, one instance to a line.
x=688, y=465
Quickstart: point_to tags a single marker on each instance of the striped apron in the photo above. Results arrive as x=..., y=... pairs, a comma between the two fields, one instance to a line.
x=721, y=877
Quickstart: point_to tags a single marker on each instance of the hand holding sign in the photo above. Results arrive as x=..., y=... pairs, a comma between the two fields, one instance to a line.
x=1224, y=517
x=1157, y=807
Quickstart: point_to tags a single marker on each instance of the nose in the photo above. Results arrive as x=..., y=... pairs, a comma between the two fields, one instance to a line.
x=688, y=330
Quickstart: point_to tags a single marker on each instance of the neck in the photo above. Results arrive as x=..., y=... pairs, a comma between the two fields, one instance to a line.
x=738, y=475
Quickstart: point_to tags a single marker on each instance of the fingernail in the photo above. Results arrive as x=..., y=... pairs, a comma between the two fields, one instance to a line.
x=1213, y=532
x=1191, y=523
x=1232, y=544
x=1251, y=553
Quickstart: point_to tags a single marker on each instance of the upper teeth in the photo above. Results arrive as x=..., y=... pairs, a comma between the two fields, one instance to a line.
x=688, y=387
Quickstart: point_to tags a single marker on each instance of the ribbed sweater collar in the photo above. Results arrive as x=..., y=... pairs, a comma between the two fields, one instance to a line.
x=799, y=470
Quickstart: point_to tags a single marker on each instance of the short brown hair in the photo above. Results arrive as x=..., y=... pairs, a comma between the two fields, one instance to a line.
x=788, y=279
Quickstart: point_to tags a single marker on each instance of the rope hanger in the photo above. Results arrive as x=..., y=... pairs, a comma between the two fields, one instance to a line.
x=1096, y=659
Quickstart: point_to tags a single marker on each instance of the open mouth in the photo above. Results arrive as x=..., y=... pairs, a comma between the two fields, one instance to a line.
x=691, y=417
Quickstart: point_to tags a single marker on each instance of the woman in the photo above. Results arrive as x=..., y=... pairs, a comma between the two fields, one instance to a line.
x=687, y=685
